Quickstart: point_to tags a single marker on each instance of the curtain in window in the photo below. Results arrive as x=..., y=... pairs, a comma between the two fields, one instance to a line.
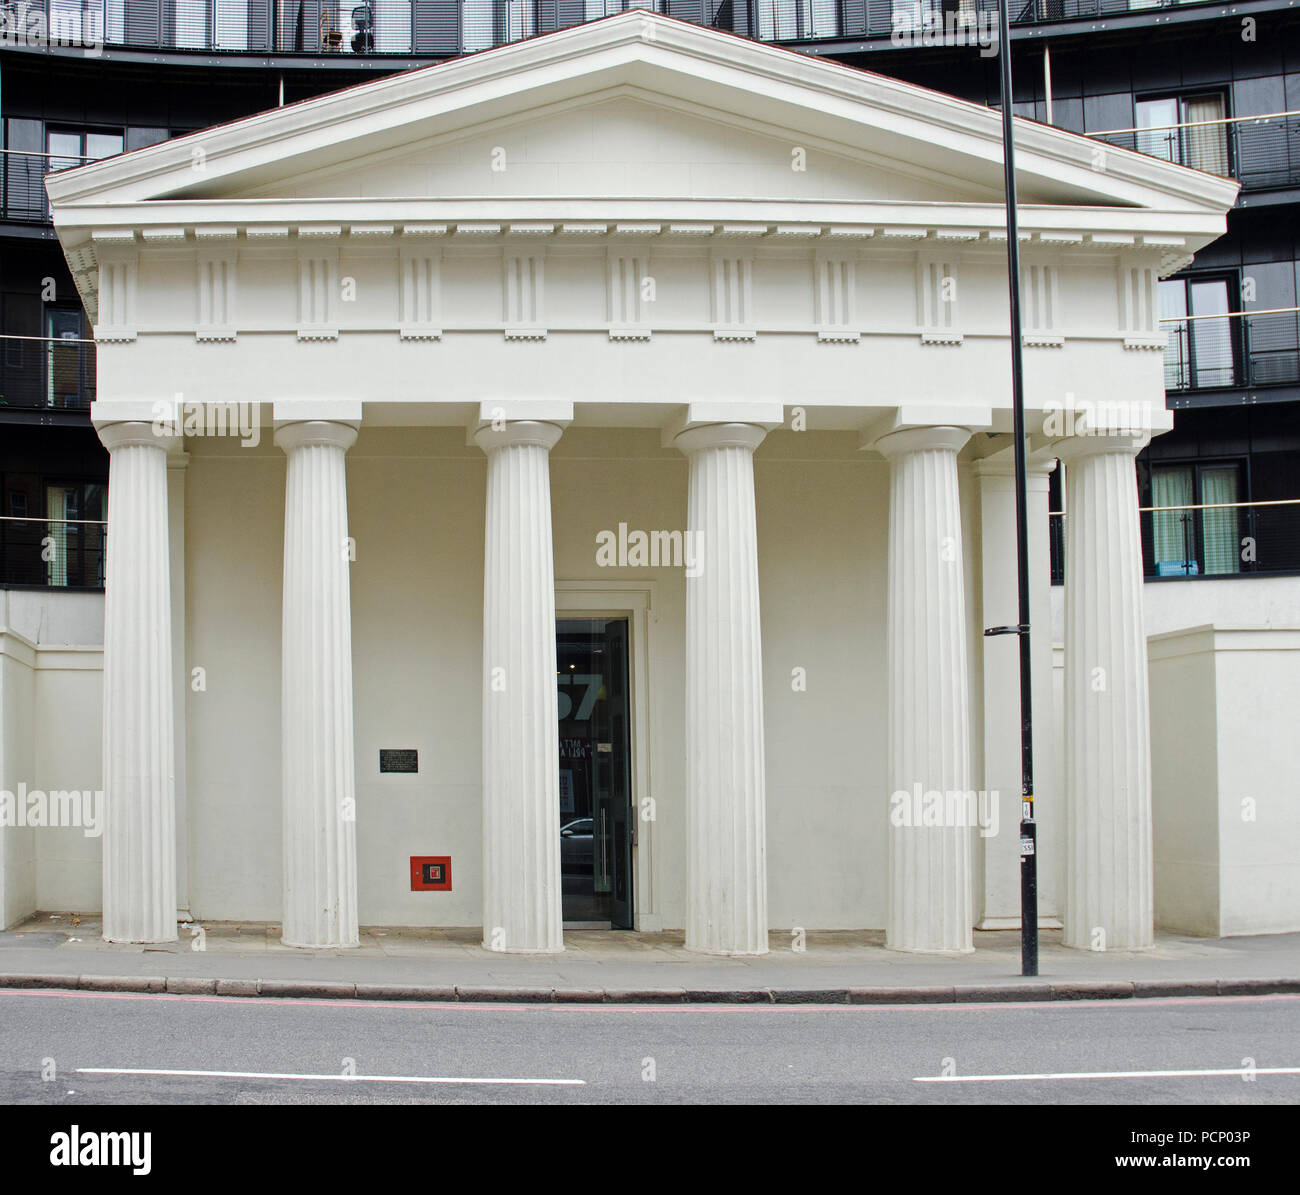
x=1212, y=355
x=55, y=546
x=1205, y=146
x=1219, y=527
x=1172, y=542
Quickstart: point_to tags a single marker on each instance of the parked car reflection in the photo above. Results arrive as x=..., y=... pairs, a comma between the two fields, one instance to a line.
x=576, y=846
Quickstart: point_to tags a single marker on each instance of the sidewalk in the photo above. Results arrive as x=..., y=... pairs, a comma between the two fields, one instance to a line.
x=400, y=963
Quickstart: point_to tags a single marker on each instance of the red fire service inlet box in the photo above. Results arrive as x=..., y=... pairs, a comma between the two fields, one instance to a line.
x=430, y=873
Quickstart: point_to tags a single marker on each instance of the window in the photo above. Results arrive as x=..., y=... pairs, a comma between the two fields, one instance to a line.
x=75, y=514
x=1202, y=349
x=1193, y=530
x=1188, y=130
x=68, y=367
x=75, y=147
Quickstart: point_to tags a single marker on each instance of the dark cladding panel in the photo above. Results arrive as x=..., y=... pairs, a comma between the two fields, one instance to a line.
x=436, y=27
x=143, y=22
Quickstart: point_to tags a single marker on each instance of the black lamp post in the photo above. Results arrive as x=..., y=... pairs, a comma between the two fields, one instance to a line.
x=1028, y=826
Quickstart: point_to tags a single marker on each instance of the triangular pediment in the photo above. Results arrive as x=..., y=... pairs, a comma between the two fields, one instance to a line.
x=622, y=144
x=636, y=105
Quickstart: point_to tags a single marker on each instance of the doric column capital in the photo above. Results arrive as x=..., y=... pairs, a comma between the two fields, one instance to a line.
x=1038, y=468
x=518, y=431
x=941, y=437
x=326, y=432
x=720, y=435
x=135, y=433
x=1073, y=447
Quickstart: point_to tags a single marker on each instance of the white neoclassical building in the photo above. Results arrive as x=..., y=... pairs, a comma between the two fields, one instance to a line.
x=623, y=488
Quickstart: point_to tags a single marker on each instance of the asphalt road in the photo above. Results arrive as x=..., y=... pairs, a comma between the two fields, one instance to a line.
x=76, y=1048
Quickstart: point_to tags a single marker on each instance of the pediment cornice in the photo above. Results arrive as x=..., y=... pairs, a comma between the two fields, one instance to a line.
x=695, y=66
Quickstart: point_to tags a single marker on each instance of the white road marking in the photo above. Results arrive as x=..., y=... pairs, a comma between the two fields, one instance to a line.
x=1238, y=1071
x=110, y=1070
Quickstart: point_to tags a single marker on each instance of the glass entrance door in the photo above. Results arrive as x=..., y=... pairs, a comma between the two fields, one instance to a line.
x=595, y=772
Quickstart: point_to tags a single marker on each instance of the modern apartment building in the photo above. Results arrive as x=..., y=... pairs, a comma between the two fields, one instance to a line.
x=1193, y=83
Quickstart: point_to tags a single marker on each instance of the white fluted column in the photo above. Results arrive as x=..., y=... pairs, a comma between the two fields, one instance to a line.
x=139, y=841
x=1109, y=885
x=930, y=907
x=726, y=818
x=521, y=765
x=318, y=775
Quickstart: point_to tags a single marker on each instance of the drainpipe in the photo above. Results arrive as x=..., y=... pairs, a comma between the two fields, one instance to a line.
x=1047, y=80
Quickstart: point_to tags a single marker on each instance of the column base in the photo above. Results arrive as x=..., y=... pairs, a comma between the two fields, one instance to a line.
x=522, y=950
x=1111, y=949
x=320, y=945
x=996, y=923
x=728, y=953
x=928, y=950
x=140, y=941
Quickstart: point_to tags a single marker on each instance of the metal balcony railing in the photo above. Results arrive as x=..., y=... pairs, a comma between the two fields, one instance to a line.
x=22, y=183
x=1261, y=152
x=1239, y=348
x=47, y=372
x=1211, y=539
x=59, y=553
x=444, y=28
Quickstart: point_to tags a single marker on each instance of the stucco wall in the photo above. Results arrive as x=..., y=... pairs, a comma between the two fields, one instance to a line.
x=50, y=715
x=17, y=844
x=1225, y=755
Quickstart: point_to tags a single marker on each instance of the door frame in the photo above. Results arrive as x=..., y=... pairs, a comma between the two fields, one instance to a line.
x=633, y=600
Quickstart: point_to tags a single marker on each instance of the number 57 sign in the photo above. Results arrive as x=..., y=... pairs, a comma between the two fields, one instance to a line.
x=590, y=686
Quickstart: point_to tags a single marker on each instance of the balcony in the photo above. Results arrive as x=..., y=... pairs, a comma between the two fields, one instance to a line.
x=1206, y=540
x=52, y=553
x=1261, y=152
x=446, y=28
x=1235, y=349
x=22, y=183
